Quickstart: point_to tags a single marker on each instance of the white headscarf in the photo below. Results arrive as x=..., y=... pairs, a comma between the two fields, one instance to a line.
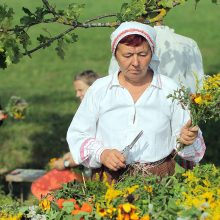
x=129, y=28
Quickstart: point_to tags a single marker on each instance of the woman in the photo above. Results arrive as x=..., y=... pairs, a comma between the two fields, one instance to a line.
x=61, y=173
x=117, y=107
x=81, y=83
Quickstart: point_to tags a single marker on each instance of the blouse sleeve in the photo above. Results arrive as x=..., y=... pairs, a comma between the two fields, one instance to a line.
x=81, y=135
x=196, y=151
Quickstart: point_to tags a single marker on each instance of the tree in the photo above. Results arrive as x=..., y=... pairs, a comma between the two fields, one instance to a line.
x=15, y=41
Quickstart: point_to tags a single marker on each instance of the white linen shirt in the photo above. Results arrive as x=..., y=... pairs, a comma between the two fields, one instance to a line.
x=108, y=118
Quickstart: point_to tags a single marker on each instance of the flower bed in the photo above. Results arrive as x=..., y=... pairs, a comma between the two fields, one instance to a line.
x=189, y=195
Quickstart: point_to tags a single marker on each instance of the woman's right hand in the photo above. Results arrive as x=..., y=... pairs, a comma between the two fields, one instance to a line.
x=59, y=164
x=113, y=159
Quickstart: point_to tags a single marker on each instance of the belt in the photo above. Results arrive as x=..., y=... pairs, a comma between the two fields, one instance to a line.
x=158, y=162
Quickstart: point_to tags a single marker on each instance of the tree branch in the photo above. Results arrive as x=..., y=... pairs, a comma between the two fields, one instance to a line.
x=49, y=7
x=101, y=17
x=51, y=40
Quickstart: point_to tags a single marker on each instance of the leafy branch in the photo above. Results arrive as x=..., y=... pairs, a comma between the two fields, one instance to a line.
x=16, y=42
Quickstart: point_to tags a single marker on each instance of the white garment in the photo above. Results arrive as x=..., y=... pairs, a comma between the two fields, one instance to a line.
x=108, y=118
x=179, y=58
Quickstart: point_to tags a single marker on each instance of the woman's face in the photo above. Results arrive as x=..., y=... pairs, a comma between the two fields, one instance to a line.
x=134, y=61
x=80, y=87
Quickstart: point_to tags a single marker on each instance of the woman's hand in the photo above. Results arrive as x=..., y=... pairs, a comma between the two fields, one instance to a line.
x=113, y=159
x=59, y=164
x=188, y=134
x=68, y=156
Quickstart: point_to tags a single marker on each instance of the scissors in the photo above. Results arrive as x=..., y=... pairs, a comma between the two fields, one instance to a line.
x=126, y=150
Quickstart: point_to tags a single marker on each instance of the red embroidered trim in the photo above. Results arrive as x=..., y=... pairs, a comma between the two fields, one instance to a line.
x=82, y=148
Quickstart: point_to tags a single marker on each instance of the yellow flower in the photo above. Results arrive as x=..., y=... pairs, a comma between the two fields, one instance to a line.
x=198, y=100
x=148, y=189
x=7, y=216
x=52, y=161
x=16, y=217
x=18, y=115
x=190, y=176
x=127, y=212
x=101, y=211
x=145, y=217
x=110, y=211
x=206, y=183
x=111, y=194
x=132, y=189
x=207, y=196
x=127, y=207
x=45, y=204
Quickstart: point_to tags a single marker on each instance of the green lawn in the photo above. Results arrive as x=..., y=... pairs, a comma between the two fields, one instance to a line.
x=45, y=80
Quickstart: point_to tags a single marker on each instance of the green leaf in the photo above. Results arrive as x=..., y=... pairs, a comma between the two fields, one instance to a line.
x=68, y=207
x=73, y=11
x=166, y=3
x=59, y=49
x=132, y=11
x=6, y=16
x=27, y=20
x=43, y=39
x=26, y=11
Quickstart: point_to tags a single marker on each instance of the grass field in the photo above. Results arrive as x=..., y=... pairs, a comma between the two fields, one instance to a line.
x=45, y=80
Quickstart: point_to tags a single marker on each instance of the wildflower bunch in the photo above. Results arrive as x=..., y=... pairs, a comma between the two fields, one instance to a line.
x=204, y=104
x=16, y=108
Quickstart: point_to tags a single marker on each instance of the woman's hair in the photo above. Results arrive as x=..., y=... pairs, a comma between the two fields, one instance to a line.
x=133, y=40
x=87, y=76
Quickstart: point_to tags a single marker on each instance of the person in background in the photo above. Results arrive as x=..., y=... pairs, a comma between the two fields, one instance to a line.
x=132, y=100
x=181, y=60
x=180, y=57
x=81, y=83
x=61, y=172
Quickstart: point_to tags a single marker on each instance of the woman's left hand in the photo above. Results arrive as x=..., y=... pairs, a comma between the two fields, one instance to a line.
x=188, y=134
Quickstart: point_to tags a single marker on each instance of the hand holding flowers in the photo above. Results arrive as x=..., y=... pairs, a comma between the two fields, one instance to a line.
x=188, y=133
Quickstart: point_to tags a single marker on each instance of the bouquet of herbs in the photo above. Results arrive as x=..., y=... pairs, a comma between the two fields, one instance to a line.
x=204, y=104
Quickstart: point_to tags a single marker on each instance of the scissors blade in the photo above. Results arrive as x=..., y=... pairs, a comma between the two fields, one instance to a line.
x=128, y=147
x=135, y=139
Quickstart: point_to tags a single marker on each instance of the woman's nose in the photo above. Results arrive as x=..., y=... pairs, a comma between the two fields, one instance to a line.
x=77, y=94
x=135, y=60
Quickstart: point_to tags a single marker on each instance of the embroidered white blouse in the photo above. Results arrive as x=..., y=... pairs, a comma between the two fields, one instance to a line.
x=108, y=118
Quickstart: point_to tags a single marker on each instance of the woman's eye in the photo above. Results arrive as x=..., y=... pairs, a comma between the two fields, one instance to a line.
x=143, y=54
x=127, y=55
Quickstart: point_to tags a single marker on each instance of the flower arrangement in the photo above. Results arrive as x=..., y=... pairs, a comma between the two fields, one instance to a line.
x=16, y=108
x=204, y=104
x=189, y=195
